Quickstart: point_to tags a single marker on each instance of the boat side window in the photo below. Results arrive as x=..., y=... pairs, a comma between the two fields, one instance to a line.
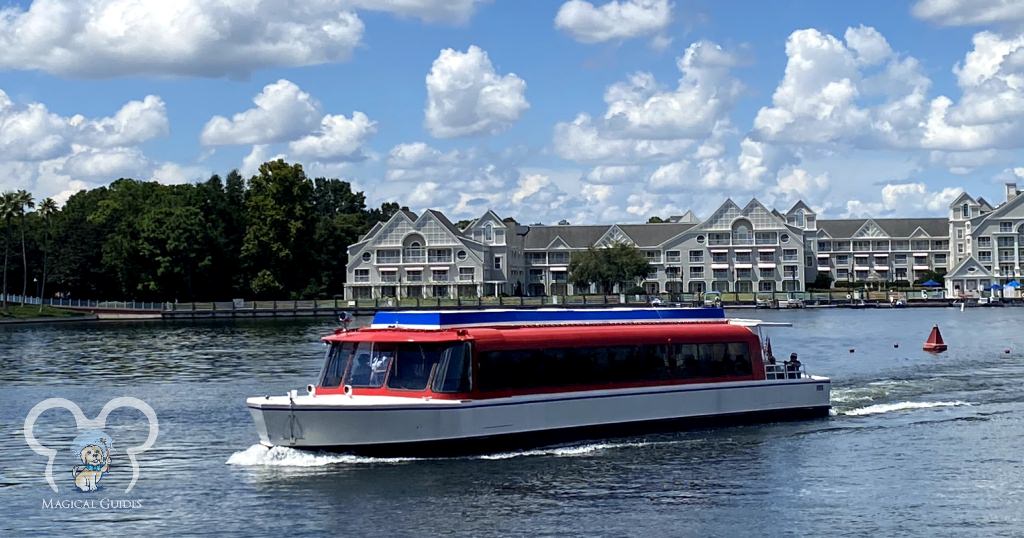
x=335, y=363
x=453, y=370
x=370, y=365
x=739, y=353
x=413, y=365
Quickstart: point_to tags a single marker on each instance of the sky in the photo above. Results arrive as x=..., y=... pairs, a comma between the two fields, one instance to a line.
x=590, y=111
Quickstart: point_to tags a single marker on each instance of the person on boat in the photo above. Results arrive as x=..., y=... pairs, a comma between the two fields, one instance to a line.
x=793, y=366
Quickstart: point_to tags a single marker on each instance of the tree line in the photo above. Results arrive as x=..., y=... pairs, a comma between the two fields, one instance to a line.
x=277, y=234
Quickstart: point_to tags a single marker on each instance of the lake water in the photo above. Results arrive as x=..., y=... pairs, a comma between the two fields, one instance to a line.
x=918, y=444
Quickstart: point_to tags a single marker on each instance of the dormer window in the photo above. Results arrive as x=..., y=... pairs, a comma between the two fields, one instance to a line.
x=965, y=210
x=488, y=232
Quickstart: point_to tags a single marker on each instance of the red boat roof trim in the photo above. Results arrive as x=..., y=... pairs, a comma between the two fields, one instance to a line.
x=558, y=335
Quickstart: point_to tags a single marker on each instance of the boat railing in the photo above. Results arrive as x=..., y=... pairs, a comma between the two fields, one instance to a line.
x=783, y=371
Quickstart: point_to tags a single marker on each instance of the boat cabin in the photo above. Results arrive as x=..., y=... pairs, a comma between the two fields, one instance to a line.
x=493, y=358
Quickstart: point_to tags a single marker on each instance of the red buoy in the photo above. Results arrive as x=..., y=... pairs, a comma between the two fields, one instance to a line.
x=935, y=343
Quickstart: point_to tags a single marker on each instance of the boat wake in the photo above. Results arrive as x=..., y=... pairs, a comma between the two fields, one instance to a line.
x=581, y=450
x=900, y=406
x=282, y=456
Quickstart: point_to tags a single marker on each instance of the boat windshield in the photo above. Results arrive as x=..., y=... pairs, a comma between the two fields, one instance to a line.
x=403, y=366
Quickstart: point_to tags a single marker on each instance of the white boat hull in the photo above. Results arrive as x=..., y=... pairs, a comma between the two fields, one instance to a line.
x=368, y=423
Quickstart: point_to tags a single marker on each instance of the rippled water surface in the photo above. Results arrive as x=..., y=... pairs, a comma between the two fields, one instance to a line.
x=917, y=445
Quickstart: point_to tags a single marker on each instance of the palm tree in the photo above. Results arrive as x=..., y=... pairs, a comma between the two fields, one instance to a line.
x=47, y=209
x=7, y=215
x=23, y=201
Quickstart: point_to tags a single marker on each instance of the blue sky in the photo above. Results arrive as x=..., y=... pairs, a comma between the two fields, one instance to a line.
x=886, y=108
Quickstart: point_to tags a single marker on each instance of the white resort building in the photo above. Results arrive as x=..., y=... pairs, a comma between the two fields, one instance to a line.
x=745, y=249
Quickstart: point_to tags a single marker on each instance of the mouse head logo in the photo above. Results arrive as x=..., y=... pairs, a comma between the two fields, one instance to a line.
x=91, y=448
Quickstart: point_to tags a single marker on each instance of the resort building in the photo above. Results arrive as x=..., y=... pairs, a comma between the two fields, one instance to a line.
x=988, y=243
x=748, y=249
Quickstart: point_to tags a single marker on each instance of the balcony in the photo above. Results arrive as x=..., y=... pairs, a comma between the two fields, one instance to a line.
x=742, y=239
x=414, y=255
x=718, y=241
x=696, y=259
x=389, y=259
x=434, y=258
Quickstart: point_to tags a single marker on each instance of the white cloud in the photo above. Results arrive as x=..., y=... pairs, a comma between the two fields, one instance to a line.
x=612, y=175
x=105, y=164
x=795, y=184
x=580, y=140
x=338, y=139
x=706, y=92
x=258, y=155
x=175, y=174
x=904, y=200
x=283, y=112
x=426, y=194
x=969, y=12
x=465, y=96
x=134, y=123
x=614, y=20
x=105, y=38
x=452, y=11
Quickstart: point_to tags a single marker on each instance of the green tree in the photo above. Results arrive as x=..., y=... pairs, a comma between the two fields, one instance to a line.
x=279, y=229
x=620, y=264
x=174, y=240
x=7, y=213
x=47, y=209
x=23, y=202
x=655, y=220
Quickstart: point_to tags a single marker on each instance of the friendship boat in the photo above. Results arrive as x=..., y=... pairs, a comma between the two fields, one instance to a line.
x=451, y=382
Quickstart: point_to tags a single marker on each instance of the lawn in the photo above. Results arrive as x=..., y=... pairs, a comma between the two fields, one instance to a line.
x=16, y=311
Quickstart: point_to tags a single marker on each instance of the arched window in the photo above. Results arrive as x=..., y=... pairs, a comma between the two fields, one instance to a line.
x=488, y=232
x=965, y=210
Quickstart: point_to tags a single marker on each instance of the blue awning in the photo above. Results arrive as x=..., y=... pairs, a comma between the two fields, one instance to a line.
x=931, y=284
x=482, y=318
x=1013, y=284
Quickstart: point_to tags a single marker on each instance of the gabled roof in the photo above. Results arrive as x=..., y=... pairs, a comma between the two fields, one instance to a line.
x=962, y=269
x=984, y=204
x=799, y=205
x=539, y=237
x=846, y=228
x=444, y=221
x=686, y=218
x=374, y=229
x=651, y=235
x=960, y=199
x=412, y=216
x=998, y=212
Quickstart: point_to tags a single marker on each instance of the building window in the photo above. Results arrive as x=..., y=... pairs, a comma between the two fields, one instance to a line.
x=744, y=273
x=743, y=257
x=766, y=286
x=959, y=233
x=536, y=258
x=843, y=259
x=984, y=255
x=984, y=242
x=367, y=256
x=965, y=210
x=555, y=258
x=414, y=276
x=497, y=263
x=901, y=259
x=389, y=256
x=700, y=239
x=696, y=272
x=789, y=255
x=362, y=275
x=439, y=255
x=461, y=255
x=720, y=274
x=672, y=256
x=653, y=256
x=960, y=248
x=466, y=274
x=767, y=272
x=766, y=257
x=785, y=238
x=696, y=256
x=719, y=257
x=439, y=275
x=1005, y=227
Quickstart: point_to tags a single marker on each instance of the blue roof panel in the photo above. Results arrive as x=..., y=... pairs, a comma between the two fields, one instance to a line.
x=445, y=319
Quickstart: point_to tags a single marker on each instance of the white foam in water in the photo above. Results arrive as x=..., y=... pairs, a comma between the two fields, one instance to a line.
x=900, y=406
x=282, y=456
x=559, y=451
